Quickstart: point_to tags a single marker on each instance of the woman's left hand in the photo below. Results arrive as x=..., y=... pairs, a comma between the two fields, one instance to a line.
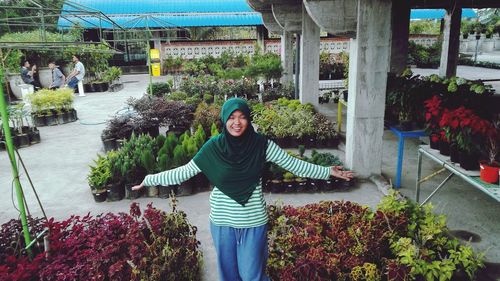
x=337, y=171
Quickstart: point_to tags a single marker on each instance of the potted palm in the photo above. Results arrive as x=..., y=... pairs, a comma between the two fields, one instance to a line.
x=99, y=177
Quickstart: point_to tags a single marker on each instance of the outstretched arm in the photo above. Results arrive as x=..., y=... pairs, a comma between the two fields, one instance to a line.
x=170, y=177
x=301, y=168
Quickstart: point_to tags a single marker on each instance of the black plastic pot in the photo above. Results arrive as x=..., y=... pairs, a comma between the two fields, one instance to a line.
x=302, y=185
x=109, y=144
x=116, y=192
x=164, y=191
x=23, y=140
x=345, y=94
x=315, y=185
x=454, y=153
x=469, y=161
x=344, y=184
x=152, y=191
x=329, y=184
x=100, y=196
x=132, y=194
x=433, y=144
x=153, y=131
x=444, y=148
x=290, y=186
x=60, y=118
x=34, y=136
x=66, y=117
x=2, y=145
x=39, y=121
x=51, y=120
x=72, y=115
x=276, y=186
x=185, y=188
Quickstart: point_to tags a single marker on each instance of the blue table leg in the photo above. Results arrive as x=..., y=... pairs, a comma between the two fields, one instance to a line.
x=401, y=147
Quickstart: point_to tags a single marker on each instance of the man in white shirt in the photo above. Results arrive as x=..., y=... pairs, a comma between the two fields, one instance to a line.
x=77, y=74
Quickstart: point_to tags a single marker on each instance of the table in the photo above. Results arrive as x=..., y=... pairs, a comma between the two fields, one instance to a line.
x=472, y=177
x=401, y=145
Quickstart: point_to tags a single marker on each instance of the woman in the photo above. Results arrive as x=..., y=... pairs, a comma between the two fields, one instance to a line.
x=233, y=162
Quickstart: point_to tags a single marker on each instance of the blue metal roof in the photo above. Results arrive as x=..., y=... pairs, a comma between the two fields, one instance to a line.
x=184, y=13
x=165, y=21
x=111, y=7
x=426, y=14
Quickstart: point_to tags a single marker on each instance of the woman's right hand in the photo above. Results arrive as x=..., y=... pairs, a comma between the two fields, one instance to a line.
x=138, y=187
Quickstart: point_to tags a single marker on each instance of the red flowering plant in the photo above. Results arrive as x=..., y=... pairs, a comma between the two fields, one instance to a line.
x=472, y=131
x=433, y=112
x=450, y=123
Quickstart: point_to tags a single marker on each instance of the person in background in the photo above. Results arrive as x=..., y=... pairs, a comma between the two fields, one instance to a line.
x=233, y=162
x=77, y=74
x=58, y=77
x=28, y=75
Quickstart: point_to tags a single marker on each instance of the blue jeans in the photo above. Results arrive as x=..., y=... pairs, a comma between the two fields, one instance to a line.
x=73, y=83
x=241, y=252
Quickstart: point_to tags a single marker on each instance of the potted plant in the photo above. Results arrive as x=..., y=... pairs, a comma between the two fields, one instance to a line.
x=433, y=112
x=99, y=177
x=490, y=168
x=116, y=189
x=276, y=185
x=473, y=129
x=180, y=158
x=20, y=133
x=289, y=182
x=165, y=163
x=149, y=164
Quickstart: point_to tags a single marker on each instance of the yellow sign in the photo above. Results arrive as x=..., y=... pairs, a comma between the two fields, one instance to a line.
x=154, y=54
x=155, y=69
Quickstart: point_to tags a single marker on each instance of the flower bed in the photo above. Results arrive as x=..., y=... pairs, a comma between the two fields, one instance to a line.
x=290, y=123
x=345, y=241
x=52, y=107
x=106, y=247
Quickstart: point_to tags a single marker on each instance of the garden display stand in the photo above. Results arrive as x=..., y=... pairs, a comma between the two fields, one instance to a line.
x=472, y=177
x=401, y=145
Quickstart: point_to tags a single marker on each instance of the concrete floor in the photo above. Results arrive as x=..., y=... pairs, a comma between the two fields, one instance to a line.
x=59, y=164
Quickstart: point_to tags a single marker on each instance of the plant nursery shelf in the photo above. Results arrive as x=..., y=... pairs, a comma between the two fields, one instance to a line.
x=472, y=177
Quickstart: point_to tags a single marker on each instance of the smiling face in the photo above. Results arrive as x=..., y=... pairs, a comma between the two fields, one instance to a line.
x=237, y=123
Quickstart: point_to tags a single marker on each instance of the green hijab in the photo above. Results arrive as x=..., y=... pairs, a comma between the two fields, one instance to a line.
x=234, y=164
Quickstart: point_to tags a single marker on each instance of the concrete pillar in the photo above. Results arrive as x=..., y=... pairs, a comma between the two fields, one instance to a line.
x=309, y=60
x=261, y=36
x=451, y=42
x=368, y=67
x=400, y=36
x=287, y=57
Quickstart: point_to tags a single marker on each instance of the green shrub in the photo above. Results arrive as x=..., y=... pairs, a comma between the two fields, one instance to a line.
x=160, y=89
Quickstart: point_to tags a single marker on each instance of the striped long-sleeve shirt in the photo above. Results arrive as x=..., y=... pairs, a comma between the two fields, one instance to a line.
x=224, y=211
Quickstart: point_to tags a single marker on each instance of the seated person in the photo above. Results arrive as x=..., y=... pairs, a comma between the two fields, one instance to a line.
x=58, y=77
x=77, y=74
x=27, y=75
